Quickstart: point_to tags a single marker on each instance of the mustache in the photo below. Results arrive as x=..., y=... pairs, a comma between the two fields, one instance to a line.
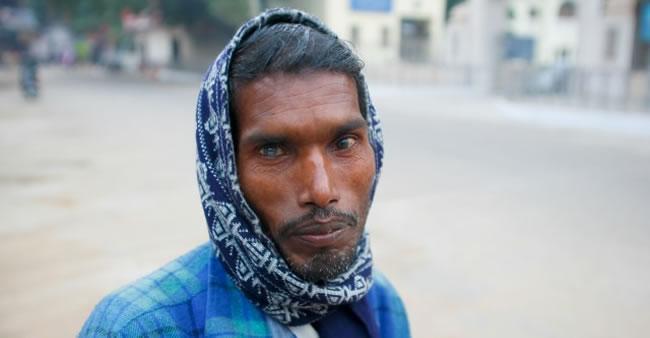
x=290, y=226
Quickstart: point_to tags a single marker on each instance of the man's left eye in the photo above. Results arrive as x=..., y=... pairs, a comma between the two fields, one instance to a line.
x=271, y=151
x=346, y=143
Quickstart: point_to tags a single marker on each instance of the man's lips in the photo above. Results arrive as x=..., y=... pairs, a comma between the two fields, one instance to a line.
x=320, y=234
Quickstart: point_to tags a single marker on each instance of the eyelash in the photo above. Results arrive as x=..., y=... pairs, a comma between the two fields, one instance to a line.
x=278, y=146
x=282, y=151
x=346, y=137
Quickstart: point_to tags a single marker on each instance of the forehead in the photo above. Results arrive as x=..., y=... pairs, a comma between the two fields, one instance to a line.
x=297, y=99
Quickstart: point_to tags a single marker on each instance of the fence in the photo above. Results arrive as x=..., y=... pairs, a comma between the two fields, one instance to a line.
x=603, y=88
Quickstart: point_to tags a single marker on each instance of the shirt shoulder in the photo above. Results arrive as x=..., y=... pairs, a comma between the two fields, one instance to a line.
x=388, y=307
x=169, y=302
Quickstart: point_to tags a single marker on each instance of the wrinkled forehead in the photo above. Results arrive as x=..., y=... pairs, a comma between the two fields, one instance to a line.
x=289, y=97
x=279, y=92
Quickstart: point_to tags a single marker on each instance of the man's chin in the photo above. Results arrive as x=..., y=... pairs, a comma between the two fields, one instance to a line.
x=325, y=265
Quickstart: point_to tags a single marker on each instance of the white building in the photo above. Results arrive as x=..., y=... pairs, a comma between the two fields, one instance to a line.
x=612, y=57
x=395, y=38
x=595, y=50
x=472, y=44
x=585, y=48
x=156, y=45
x=389, y=31
x=551, y=25
x=162, y=46
x=538, y=31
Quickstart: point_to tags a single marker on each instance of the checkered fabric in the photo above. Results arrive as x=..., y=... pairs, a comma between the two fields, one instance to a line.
x=193, y=296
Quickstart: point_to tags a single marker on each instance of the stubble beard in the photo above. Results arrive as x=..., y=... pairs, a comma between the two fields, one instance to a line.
x=326, y=264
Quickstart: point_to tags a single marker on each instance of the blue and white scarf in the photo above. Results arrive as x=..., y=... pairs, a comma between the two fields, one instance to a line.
x=247, y=253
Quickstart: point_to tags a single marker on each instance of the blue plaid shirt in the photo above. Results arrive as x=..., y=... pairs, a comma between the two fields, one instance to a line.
x=194, y=297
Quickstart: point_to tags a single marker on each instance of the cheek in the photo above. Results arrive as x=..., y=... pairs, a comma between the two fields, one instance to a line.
x=266, y=193
x=360, y=174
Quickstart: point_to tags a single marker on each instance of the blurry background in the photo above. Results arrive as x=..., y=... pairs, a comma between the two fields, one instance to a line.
x=515, y=200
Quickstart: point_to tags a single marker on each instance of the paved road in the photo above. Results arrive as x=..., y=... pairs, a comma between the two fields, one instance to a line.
x=493, y=219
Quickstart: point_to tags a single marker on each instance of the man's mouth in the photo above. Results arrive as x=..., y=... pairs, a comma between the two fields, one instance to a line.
x=319, y=229
x=319, y=234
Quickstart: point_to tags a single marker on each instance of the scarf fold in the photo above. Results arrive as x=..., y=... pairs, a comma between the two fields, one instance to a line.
x=248, y=255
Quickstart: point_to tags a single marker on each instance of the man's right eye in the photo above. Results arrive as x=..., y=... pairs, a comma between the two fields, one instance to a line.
x=271, y=150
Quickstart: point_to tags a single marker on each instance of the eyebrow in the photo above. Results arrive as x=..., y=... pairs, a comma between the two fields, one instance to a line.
x=351, y=125
x=262, y=138
x=267, y=138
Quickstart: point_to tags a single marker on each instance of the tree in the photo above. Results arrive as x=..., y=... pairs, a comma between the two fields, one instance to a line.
x=450, y=5
x=84, y=15
x=230, y=12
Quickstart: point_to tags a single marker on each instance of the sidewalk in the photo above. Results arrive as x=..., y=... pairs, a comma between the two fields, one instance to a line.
x=559, y=116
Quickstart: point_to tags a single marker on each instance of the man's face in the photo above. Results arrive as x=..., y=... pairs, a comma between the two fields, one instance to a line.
x=306, y=166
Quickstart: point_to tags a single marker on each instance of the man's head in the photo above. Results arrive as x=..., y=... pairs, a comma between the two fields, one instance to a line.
x=289, y=150
x=304, y=158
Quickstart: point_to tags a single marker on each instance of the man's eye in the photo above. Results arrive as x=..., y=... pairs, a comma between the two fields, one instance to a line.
x=346, y=143
x=271, y=150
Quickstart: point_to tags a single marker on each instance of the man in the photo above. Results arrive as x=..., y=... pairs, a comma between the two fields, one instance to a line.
x=289, y=152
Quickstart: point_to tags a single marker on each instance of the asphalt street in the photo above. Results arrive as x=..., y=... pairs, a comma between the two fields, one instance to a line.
x=492, y=219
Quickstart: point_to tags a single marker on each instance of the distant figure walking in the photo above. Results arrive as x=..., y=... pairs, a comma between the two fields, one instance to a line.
x=28, y=75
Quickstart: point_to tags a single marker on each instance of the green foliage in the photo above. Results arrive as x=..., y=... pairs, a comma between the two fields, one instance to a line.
x=85, y=15
x=40, y=9
x=450, y=5
x=231, y=12
x=186, y=12
x=91, y=15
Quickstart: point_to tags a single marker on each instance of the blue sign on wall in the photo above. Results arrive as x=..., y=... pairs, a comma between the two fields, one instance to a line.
x=516, y=47
x=644, y=22
x=371, y=5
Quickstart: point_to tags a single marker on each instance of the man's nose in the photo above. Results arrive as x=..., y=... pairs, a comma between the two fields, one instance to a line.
x=318, y=185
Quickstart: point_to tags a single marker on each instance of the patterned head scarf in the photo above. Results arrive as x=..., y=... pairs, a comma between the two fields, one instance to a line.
x=248, y=255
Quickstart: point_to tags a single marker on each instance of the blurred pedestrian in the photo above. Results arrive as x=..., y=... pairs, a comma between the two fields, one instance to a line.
x=28, y=74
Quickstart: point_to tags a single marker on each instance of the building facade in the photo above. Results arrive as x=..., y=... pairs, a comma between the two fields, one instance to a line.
x=612, y=65
x=393, y=37
x=549, y=28
x=592, y=51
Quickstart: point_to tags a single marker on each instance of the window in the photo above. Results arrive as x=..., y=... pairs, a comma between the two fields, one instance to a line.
x=567, y=10
x=534, y=13
x=562, y=54
x=415, y=40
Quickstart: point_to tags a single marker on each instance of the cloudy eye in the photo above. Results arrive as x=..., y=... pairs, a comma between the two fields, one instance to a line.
x=346, y=143
x=271, y=150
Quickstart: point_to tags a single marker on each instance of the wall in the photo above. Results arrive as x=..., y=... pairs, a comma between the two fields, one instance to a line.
x=552, y=33
x=383, y=54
